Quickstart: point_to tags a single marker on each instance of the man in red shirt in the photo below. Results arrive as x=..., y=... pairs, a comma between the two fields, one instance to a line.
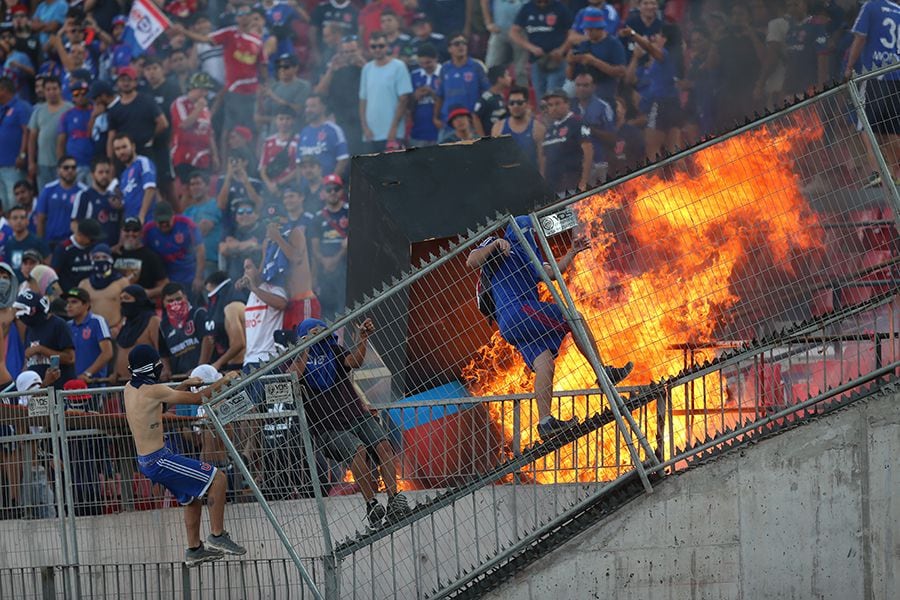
x=242, y=51
x=193, y=146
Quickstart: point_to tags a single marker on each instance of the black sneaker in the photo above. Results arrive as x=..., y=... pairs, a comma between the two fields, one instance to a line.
x=397, y=509
x=554, y=427
x=375, y=514
x=617, y=374
x=225, y=544
x=200, y=555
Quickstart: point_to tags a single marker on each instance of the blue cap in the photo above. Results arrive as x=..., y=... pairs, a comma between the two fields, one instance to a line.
x=101, y=249
x=100, y=87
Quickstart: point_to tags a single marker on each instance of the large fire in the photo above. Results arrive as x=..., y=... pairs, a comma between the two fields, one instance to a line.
x=662, y=271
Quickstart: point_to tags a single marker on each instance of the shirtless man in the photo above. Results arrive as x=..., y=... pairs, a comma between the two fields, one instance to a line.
x=105, y=287
x=188, y=480
x=290, y=240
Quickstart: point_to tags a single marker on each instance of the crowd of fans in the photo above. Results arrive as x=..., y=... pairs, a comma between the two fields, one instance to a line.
x=192, y=196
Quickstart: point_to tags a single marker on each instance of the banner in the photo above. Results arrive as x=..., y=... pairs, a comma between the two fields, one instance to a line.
x=146, y=22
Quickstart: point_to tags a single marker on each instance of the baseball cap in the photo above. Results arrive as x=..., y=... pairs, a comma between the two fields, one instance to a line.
x=286, y=58
x=244, y=132
x=27, y=380
x=28, y=300
x=458, y=112
x=333, y=179
x=101, y=87
x=420, y=17
x=78, y=294
x=557, y=93
x=128, y=71
x=593, y=18
x=201, y=80
x=90, y=228
x=132, y=224
x=163, y=211
x=291, y=188
x=79, y=85
x=19, y=9
x=32, y=254
x=101, y=249
x=119, y=20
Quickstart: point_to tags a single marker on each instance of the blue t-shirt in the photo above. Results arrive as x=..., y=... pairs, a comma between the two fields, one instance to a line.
x=461, y=86
x=598, y=113
x=14, y=115
x=635, y=22
x=423, y=114
x=87, y=338
x=74, y=125
x=609, y=50
x=54, y=334
x=56, y=202
x=612, y=19
x=176, y=248
x=879, y=21
x=13, y=250
x=326, y=142
x=139, y=176
x=656, y=81
x=545, y=28
x=208, y=211
x=91, y=204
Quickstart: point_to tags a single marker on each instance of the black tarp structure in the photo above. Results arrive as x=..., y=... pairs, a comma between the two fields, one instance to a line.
x=405, y=205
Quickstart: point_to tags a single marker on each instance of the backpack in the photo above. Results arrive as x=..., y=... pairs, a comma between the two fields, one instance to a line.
x=483, y=297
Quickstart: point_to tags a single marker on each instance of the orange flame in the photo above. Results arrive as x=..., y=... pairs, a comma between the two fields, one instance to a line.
x=665, y=278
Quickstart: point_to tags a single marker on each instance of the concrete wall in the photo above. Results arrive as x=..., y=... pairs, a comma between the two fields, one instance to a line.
x=814, y=513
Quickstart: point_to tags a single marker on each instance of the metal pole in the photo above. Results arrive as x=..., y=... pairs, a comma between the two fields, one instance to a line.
x=574, y=323
x=887, y=178
x=263, y=503
x=70, y=499
x=594, y=359
x=331, y=562
x=58, y=467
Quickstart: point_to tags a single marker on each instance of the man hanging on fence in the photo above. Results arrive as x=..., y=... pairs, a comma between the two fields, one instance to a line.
x=188, y=480
x=343, y=429
x=535, y=328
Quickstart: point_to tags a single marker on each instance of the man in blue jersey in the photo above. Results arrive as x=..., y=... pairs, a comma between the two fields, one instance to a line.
x=21, y=240
x=568, y=152
x=137, y=183
x=535, y=328
x=73, y=135
x=98, y=201
x=599, y=117
x=179, y=243
x=425, y=83
x=14, y=116
x=90, y=333
x=463, y=80
x=601, y=55
x=54, y=205
x=577, y=33
x=876, y=44
x=541, y=28
x=323, y=139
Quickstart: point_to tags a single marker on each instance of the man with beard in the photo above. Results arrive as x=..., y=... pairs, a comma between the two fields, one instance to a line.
x=226, y=311
x=185, y=333
x=54, y=205
x=46, y=335
x=135, y=259
x=26, y=40
x=568, y=152
x=42, y=130
x=74, y=137
x=526, y=131
x=90, y=334
x=72, y=258
x=323, y=139
x=105, y=285
x=137, y=182
x=178, y=241
x=98, y=202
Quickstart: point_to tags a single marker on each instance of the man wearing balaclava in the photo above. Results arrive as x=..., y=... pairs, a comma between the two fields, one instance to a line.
x=46, y=336
x=189, y=480
x=104, y=286
x=537, y=329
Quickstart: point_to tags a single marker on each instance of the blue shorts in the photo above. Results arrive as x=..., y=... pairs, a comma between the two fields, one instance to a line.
x=186, y=478
x=533, y=328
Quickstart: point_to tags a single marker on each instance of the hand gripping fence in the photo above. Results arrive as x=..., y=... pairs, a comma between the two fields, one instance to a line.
x=752, y=280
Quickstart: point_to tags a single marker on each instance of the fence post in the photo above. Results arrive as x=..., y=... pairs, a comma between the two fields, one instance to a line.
x=58, y=469
x=887, y=178
x=57, y=402
x=575, y=323
x=254, y=487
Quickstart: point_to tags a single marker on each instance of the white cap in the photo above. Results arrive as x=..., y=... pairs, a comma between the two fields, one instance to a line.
x=206, y=373
x=28, y=380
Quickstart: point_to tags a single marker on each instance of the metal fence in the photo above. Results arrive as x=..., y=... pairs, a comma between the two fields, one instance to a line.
x=751, y=279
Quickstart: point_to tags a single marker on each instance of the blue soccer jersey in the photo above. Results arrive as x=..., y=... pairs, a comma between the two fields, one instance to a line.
x=326, y=142
x=879, y=22
x=87, y=337
x=177, y=248
x=55, y=202
x=139, y=176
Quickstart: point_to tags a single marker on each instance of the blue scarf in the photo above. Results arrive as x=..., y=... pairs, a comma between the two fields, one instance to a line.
x=145, y=366
x=275, y=264
x=321, y=361
x=516, y=247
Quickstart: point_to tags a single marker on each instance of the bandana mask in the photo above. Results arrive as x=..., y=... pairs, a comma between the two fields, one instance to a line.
x=178, y=311
x=147, y=374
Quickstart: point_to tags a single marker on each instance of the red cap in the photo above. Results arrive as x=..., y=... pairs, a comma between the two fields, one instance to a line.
x=332, y=179
x=77, y=384
x=458, y=112
x=19, y=9
x=244, y=132
x=127, y=71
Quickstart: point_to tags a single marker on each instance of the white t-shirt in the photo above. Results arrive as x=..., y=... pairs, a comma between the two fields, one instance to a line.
x=261, y=321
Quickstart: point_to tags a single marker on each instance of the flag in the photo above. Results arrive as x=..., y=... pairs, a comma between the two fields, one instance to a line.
x=146, y=22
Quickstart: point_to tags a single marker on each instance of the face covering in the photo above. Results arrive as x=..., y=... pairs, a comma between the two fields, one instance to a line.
x=130, y=310
x=177, y=312
x=144, y=365
x=102, y=274
x=6, y=296
x=147, y=374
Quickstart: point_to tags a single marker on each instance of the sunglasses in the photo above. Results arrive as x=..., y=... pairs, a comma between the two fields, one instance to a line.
x=516, y=102
x=244, y=211
x=79, y=92
x=377, y=46
x=459, y=43
x=332, y=188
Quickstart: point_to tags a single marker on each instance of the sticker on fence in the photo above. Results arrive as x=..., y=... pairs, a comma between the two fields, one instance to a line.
x=279, y=392
x=39, y=406
x=233, y=407
x=558, y=222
